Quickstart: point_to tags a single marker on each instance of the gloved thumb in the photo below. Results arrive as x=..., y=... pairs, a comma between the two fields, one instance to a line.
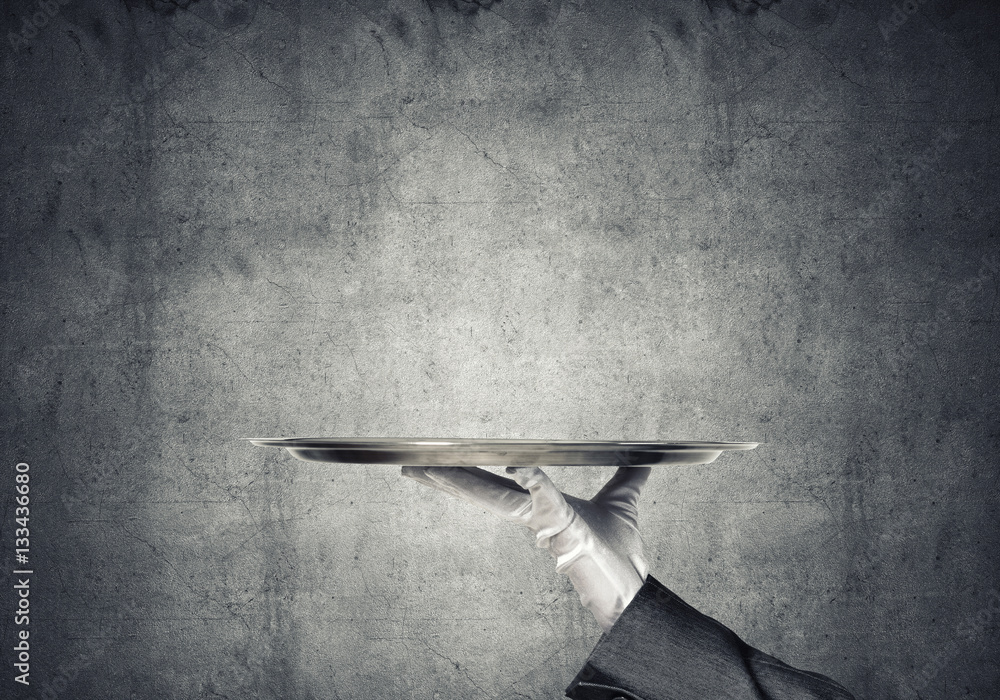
x=621, y=494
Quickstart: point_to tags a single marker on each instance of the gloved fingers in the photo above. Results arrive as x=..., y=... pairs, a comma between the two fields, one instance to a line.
x=550, y=513
x=537, y=483
x=621, y=494
x=496, y=494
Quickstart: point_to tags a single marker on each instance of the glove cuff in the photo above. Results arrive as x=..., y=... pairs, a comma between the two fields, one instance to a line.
x=546, y=537
x=570, y=543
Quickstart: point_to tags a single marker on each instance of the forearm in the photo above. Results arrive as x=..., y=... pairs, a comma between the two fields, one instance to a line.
x=661, y=649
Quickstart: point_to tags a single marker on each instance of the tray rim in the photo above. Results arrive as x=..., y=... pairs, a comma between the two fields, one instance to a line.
x=437, y=443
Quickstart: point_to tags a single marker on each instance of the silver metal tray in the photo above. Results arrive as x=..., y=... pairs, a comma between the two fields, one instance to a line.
x=461, y=452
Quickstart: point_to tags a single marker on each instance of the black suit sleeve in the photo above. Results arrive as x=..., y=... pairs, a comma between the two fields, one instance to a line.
x=663, y=649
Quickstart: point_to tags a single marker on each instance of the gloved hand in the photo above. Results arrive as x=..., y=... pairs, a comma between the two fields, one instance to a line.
x=596, y=543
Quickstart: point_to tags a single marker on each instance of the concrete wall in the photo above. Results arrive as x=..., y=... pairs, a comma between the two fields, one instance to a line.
x=513, y=219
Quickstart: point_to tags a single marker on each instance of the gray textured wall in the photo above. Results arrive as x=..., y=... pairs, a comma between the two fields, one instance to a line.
x=527, y=219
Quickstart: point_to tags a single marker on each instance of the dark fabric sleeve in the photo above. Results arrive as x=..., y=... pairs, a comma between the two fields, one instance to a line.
x=663, y=649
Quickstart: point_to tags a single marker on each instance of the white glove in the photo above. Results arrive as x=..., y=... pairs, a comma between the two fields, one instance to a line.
x=596, y=543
